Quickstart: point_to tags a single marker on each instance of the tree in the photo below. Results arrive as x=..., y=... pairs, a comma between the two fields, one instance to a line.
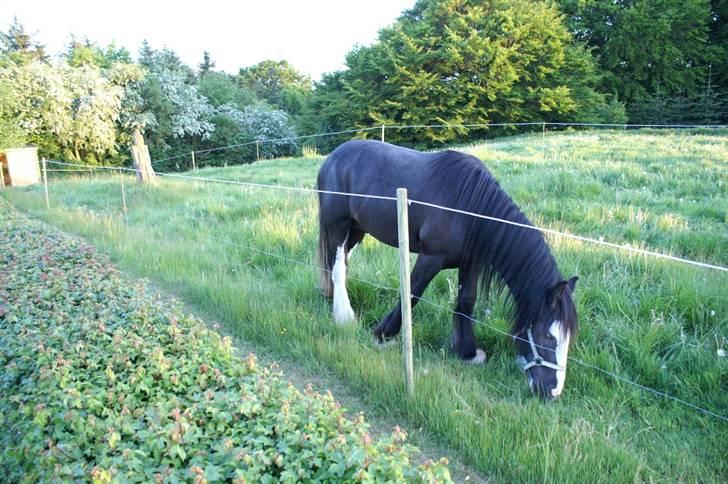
x=206, y=65
x=71, y=111
x=170, y=103
x=85, y=52
x=220, y=88
x=463, y=62
x=278, y=83
x=19, y=46
x=646, y=45
x=254, y=123
x=146, y=54
x=719, y=40
x=11, y=135
x=328, y=110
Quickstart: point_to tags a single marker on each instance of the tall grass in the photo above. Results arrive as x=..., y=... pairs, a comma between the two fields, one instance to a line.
x=660, y=323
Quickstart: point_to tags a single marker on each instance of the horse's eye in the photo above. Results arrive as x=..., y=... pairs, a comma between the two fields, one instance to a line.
x=550, y=337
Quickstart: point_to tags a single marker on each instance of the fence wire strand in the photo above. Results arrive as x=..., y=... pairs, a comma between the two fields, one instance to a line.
x=439, y=207
x=623, y=247
x=545, y=124
x=580, y=362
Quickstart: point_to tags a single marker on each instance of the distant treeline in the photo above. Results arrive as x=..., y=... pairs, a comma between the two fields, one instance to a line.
x=441, y=62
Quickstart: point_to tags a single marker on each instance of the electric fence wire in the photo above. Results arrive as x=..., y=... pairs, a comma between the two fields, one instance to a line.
x=623, y=247
x=432, y=303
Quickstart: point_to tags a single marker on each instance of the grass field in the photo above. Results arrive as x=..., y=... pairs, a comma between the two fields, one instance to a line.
x=660, y=323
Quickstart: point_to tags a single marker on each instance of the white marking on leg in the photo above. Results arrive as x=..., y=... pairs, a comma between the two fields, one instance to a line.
x=343, y=313
x=479, y=357
x=562, y=353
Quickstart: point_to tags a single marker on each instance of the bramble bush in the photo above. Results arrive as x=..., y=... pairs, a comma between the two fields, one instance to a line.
x=102, y=381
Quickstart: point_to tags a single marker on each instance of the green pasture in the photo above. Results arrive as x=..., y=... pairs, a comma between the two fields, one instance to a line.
x=246, y=254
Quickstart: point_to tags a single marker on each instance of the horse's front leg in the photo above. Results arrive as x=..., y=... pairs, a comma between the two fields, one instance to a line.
x=463, y=337
x=426, y=268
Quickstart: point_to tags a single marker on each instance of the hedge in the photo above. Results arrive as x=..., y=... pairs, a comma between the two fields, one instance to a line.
x=103, y=381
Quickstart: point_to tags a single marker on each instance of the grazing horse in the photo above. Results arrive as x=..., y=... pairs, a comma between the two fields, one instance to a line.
x=486, y=252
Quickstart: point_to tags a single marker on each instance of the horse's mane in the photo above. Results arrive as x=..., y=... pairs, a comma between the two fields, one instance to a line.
x=505, y=255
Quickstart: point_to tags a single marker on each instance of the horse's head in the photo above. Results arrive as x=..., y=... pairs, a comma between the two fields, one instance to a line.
x=543, y=345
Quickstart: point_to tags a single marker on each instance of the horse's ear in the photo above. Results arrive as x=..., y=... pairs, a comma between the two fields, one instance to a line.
x=558, y=290
x=572, y=283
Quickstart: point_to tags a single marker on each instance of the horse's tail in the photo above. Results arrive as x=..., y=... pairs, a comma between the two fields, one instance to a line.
x=322, y=257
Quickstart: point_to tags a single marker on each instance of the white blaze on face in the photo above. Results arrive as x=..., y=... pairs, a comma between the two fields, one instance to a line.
x=562, y=353
x=343, y=312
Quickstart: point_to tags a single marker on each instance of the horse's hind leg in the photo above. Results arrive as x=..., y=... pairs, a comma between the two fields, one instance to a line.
x=334, y=237
x=463, y=338
x=355, y=236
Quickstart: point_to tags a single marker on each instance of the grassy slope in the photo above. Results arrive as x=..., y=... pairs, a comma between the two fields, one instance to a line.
x=658, y=323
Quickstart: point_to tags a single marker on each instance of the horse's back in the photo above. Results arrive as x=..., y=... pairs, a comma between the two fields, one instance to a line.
x=373, y=168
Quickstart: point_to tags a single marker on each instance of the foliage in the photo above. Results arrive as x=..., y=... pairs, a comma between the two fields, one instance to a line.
x=328, y=110
x=102, y=381
x=86, y=52
x=718, y=38
x=172, y=102
x=18, y=46
x=646, y=46
x=206, y=65
x=277, y=83
x=463, y=62
x=67, y=111
x=11, y=135
x=253, y=123
x=708, y=107
x=220, y=88
x=191, y=111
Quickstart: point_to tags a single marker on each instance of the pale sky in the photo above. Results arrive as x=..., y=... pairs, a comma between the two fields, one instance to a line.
x=313, y=35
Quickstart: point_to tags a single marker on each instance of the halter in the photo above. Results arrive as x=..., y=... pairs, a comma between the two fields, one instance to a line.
x=537, y=359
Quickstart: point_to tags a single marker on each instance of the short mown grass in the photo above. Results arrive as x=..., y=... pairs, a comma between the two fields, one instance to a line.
x=659, y=323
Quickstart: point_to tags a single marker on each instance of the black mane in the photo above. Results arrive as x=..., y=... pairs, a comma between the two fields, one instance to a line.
x=462, y=181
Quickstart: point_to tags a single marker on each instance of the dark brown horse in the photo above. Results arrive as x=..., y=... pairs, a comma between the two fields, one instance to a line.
x=488, y=253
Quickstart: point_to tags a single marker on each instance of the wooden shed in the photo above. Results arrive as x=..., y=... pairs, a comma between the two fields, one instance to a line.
x=19, y=166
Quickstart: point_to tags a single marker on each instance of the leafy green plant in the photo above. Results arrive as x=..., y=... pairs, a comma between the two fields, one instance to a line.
x=103, y=381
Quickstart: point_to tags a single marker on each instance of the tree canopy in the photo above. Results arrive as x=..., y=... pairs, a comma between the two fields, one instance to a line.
x=443, y=62
x=648, y=46
x=465, y=62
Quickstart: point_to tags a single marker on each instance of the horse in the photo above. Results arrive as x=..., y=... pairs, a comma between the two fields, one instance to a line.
x=487, y=253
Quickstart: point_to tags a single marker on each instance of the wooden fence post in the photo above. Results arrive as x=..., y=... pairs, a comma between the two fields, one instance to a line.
x=142, y=161
x=45, y=184
x=257, y=150
x=404, y=285
x=382, y=133
x=123, y=193
x=194, y=164
x=2, y=175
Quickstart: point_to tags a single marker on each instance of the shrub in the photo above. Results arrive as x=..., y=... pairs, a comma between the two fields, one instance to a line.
x=102, y=381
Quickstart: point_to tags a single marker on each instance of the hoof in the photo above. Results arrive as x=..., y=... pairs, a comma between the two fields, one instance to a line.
x=344, y=315
x=479, y=357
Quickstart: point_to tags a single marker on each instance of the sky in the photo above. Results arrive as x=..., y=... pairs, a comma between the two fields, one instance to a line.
x=313, y=35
